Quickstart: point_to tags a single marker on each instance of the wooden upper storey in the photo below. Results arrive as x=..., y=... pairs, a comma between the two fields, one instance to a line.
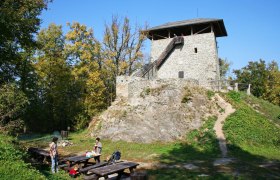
x=186, y=28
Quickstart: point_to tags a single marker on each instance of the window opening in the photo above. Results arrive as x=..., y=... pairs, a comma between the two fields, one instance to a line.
x=181, y=74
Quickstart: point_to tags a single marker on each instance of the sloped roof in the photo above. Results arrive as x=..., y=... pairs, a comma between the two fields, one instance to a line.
x=218, y=24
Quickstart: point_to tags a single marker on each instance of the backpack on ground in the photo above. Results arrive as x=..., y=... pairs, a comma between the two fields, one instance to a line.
x=114, y=157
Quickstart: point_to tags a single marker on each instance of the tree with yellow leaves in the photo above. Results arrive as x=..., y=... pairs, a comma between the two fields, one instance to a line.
x=54, y=97
x=272, y=85
x=83, y=52
x=121, y=51
x=122, y=47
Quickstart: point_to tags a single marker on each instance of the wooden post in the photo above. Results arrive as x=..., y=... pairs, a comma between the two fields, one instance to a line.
x=249, y=90
x=236, y=87
x=24, y=129
x=64, y=134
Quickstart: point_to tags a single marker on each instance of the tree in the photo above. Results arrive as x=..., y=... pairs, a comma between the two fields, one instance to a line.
x=54, y=80
x=121, y=51
x=224, y=68
x=84, y=53
x=19, y=22
x=255, y=73
x=13, y=104
x=272, y=87
x=122, y=47
x=265, y=79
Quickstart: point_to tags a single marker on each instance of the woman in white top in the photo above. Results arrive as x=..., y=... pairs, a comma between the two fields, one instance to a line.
x=97, y=149
x=54, y=155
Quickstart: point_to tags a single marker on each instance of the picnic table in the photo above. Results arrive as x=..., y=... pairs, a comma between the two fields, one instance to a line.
x=79, y=160
x=40, y=154
x=84, y=170
x=105, y=171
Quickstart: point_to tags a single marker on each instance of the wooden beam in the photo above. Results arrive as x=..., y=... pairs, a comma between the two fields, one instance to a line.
x=220, y=28
x=161, y=36
x=202, y=30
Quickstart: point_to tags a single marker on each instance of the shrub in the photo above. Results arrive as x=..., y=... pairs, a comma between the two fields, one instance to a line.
x=210, y=94
x=145, y=92
x=82, y=121
x=187, y=96
x=12, y=165
x=235, y=96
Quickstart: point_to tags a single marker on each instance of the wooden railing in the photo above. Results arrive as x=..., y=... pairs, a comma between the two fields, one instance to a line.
x=151, y=68
x=174, y=42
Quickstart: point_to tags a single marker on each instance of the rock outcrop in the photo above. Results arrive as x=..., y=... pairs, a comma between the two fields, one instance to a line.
x=162, y=110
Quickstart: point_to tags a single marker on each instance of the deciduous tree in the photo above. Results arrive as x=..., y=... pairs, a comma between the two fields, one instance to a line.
x=265, y=79
x=54, y=79
x=224, y=68
x=122, y=46
x=13, y=104
x=84, y=53
x=255, y=73
x=19, y=21
x=272, y=87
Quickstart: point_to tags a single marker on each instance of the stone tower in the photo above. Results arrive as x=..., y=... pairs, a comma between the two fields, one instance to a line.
x=186, y=49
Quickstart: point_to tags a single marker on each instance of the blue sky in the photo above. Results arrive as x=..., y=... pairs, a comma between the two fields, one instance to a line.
x=253, y=26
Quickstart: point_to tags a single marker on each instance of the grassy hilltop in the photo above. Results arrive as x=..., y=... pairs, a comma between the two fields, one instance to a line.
x=253, y=138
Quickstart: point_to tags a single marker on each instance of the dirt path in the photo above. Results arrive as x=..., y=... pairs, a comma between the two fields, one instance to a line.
x=218, y=127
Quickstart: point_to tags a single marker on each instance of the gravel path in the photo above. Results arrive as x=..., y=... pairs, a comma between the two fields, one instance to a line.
x=218, y=127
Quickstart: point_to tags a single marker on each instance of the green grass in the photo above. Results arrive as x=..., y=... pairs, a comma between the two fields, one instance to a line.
x=253, y=138
x=182, y=174
x=14, y=161
x=12, y=165
x=210, y=94
x=199, y=144
x=270, y=111
x=252, y=134
x=82, y=142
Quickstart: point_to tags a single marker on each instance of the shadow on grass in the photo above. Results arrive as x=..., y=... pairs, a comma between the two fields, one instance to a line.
x=46, y=171
x=192, y=162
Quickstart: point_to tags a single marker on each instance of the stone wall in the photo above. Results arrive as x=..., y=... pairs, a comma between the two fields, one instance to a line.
x=154, y=110
x=129, y=87
x=197, y=58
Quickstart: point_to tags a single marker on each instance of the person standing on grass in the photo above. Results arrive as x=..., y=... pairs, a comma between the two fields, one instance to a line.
x=54, y=155
x=97, y=149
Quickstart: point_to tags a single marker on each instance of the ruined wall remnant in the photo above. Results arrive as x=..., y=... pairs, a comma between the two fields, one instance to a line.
x=155, y=110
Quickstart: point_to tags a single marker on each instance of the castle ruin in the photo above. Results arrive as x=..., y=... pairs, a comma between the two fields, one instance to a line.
x=184, y=50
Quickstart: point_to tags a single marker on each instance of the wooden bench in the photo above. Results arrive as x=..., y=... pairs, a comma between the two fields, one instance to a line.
x=105, y=171
x=64, y=167
x=40, y=154
x=79, y=160
x=86, y=169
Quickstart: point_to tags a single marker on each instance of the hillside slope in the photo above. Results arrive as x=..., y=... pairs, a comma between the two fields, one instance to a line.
x=163, y=111
x=253, y=128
